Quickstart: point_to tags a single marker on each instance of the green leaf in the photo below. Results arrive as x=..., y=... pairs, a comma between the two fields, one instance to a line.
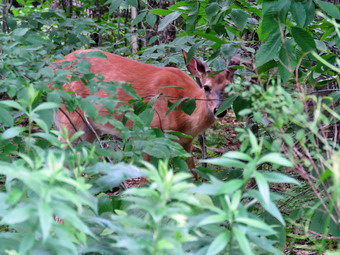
x=226, y=104
x=303, y=39
x=95, y=54
x=210, y=37
x=151, y=19
x=240, y=18
x=271, y=208
x=173, y=106
x=139, y=18
x=256, y=224
x=83, y=66
x=133, y=3
x=212, y=219
x=12, y=132
x=219, y=243
x=275, y=158
x=298, y=13
x=6, y=118
x=167, y=20
x=17, y=215
x=242, y=241
x=88, y=107
x=275, y=177
x=46, y=219
x=46, y=106
x=310, y=12
x=114, y=5
x=253, y=141
x=20, y=32
x=14, y=196
x=269, y=50
x=331, y=9
x=162, y=12
x=47, y=72
x=188, y=106
x=212, y=9
x=13, y=104
x=263, y=187
x=226, y=162
x=237, y=155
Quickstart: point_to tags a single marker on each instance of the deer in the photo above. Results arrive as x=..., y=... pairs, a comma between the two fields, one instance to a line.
x=148, y=80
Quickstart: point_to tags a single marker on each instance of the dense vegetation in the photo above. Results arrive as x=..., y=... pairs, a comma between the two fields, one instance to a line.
x=278, y=192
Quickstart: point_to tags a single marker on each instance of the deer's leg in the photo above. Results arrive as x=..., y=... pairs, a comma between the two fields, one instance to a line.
x=74, y=122
x=191, y=160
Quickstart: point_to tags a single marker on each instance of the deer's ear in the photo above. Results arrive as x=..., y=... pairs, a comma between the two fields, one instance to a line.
x=196, y=67
x=235, y=61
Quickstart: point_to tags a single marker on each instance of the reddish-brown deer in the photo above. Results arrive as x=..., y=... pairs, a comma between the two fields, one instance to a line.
x=148, y=81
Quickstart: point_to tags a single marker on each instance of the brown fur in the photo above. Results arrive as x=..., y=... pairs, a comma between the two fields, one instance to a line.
x=148, y=81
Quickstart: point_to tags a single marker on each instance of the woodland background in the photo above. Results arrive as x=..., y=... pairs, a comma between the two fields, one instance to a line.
x=271, y=180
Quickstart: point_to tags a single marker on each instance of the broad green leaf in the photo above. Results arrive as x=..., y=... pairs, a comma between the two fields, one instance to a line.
x=14, y=196
x=242, y=241
x=310, y=12
x=212, y=9
x=46, y=106
x=6, y=118
x=47, y=72
x=36, y=39
x=210, y=37
x=13, y=104
x=52, y=139
x=133, y=3
x=226, y=162
x=18, y=215
x=331, y=9
x=12, y=132
x=168, y=19
x=254, y=143
x=83, y=66
x=20, y=31
x=256, y=224
x=270, y=208
x=212, y=219
x=46, y=219
x=151, y=19
x=263, y=187
x=303, y=39
x=157, y=151
x=226, y=104
x=275, y=177
x=162, y=12
x=275, y=158
x=266, y=244
x=298, y=13
x=188, y=106
x=88, y=107
x=239, y=17
x=114, y=5
x=288, y=60
x=237, y=155
x=96, y=54
x=219, y=243
x=26, y=244
x=173, y=106
x=269, y=50
x=139, y=18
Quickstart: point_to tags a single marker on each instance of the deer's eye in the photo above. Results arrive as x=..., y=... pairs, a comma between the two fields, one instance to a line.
x=206, y=88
